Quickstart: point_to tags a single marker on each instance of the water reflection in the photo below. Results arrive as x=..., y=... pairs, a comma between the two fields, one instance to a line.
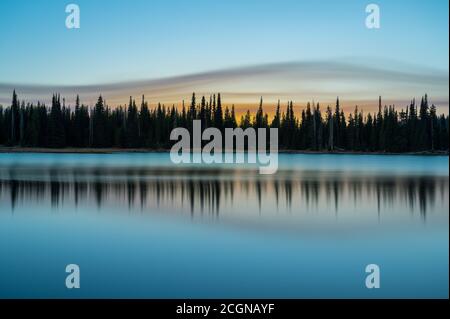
x=211, y=192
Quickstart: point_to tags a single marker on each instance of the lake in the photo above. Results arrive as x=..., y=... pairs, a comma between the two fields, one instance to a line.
x=139, y=226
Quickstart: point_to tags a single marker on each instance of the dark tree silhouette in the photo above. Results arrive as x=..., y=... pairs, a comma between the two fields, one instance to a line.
x=411, y=129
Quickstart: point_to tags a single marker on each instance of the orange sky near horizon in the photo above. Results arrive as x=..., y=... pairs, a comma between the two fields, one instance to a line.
x=354, y=82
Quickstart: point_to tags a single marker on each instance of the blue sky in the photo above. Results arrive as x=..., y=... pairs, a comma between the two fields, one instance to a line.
x=123, y=41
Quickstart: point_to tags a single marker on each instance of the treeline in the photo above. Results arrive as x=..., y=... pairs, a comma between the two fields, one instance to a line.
x=413, y=129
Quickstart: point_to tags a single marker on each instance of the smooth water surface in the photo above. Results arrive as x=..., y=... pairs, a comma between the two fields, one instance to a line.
x=141, y=227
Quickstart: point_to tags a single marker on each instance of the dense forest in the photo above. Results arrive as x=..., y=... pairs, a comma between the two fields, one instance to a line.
x=416, y=128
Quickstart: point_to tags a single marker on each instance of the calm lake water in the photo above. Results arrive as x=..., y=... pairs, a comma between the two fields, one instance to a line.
x=141, y=227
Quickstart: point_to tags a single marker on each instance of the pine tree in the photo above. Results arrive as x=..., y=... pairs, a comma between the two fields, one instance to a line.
x=14, y=111
x=259, y=118
x=132, y=125
x=56, y=133
x=218, y=115
x=203, y=112
x=144, y=124
x=330, y=125
x=276, y=119
x=98, y=125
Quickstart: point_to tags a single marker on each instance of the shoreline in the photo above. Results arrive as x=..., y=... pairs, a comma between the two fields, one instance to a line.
x=75, y=150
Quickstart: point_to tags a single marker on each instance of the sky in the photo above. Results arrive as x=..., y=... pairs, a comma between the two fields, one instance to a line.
x=278, y=49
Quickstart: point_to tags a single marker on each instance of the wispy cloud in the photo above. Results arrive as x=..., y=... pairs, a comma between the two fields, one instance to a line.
x=354, y=81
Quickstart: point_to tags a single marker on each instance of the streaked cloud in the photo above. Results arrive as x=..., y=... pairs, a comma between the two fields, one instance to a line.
x=356, y=82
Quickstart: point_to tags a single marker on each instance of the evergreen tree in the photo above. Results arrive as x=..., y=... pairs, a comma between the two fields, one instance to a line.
x=132, y=132
x=276, y=119
x=56, y=134
x=14, y=118
x=218, y=115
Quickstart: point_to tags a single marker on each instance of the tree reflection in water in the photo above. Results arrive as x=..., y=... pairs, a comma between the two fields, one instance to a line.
x=211, y=191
